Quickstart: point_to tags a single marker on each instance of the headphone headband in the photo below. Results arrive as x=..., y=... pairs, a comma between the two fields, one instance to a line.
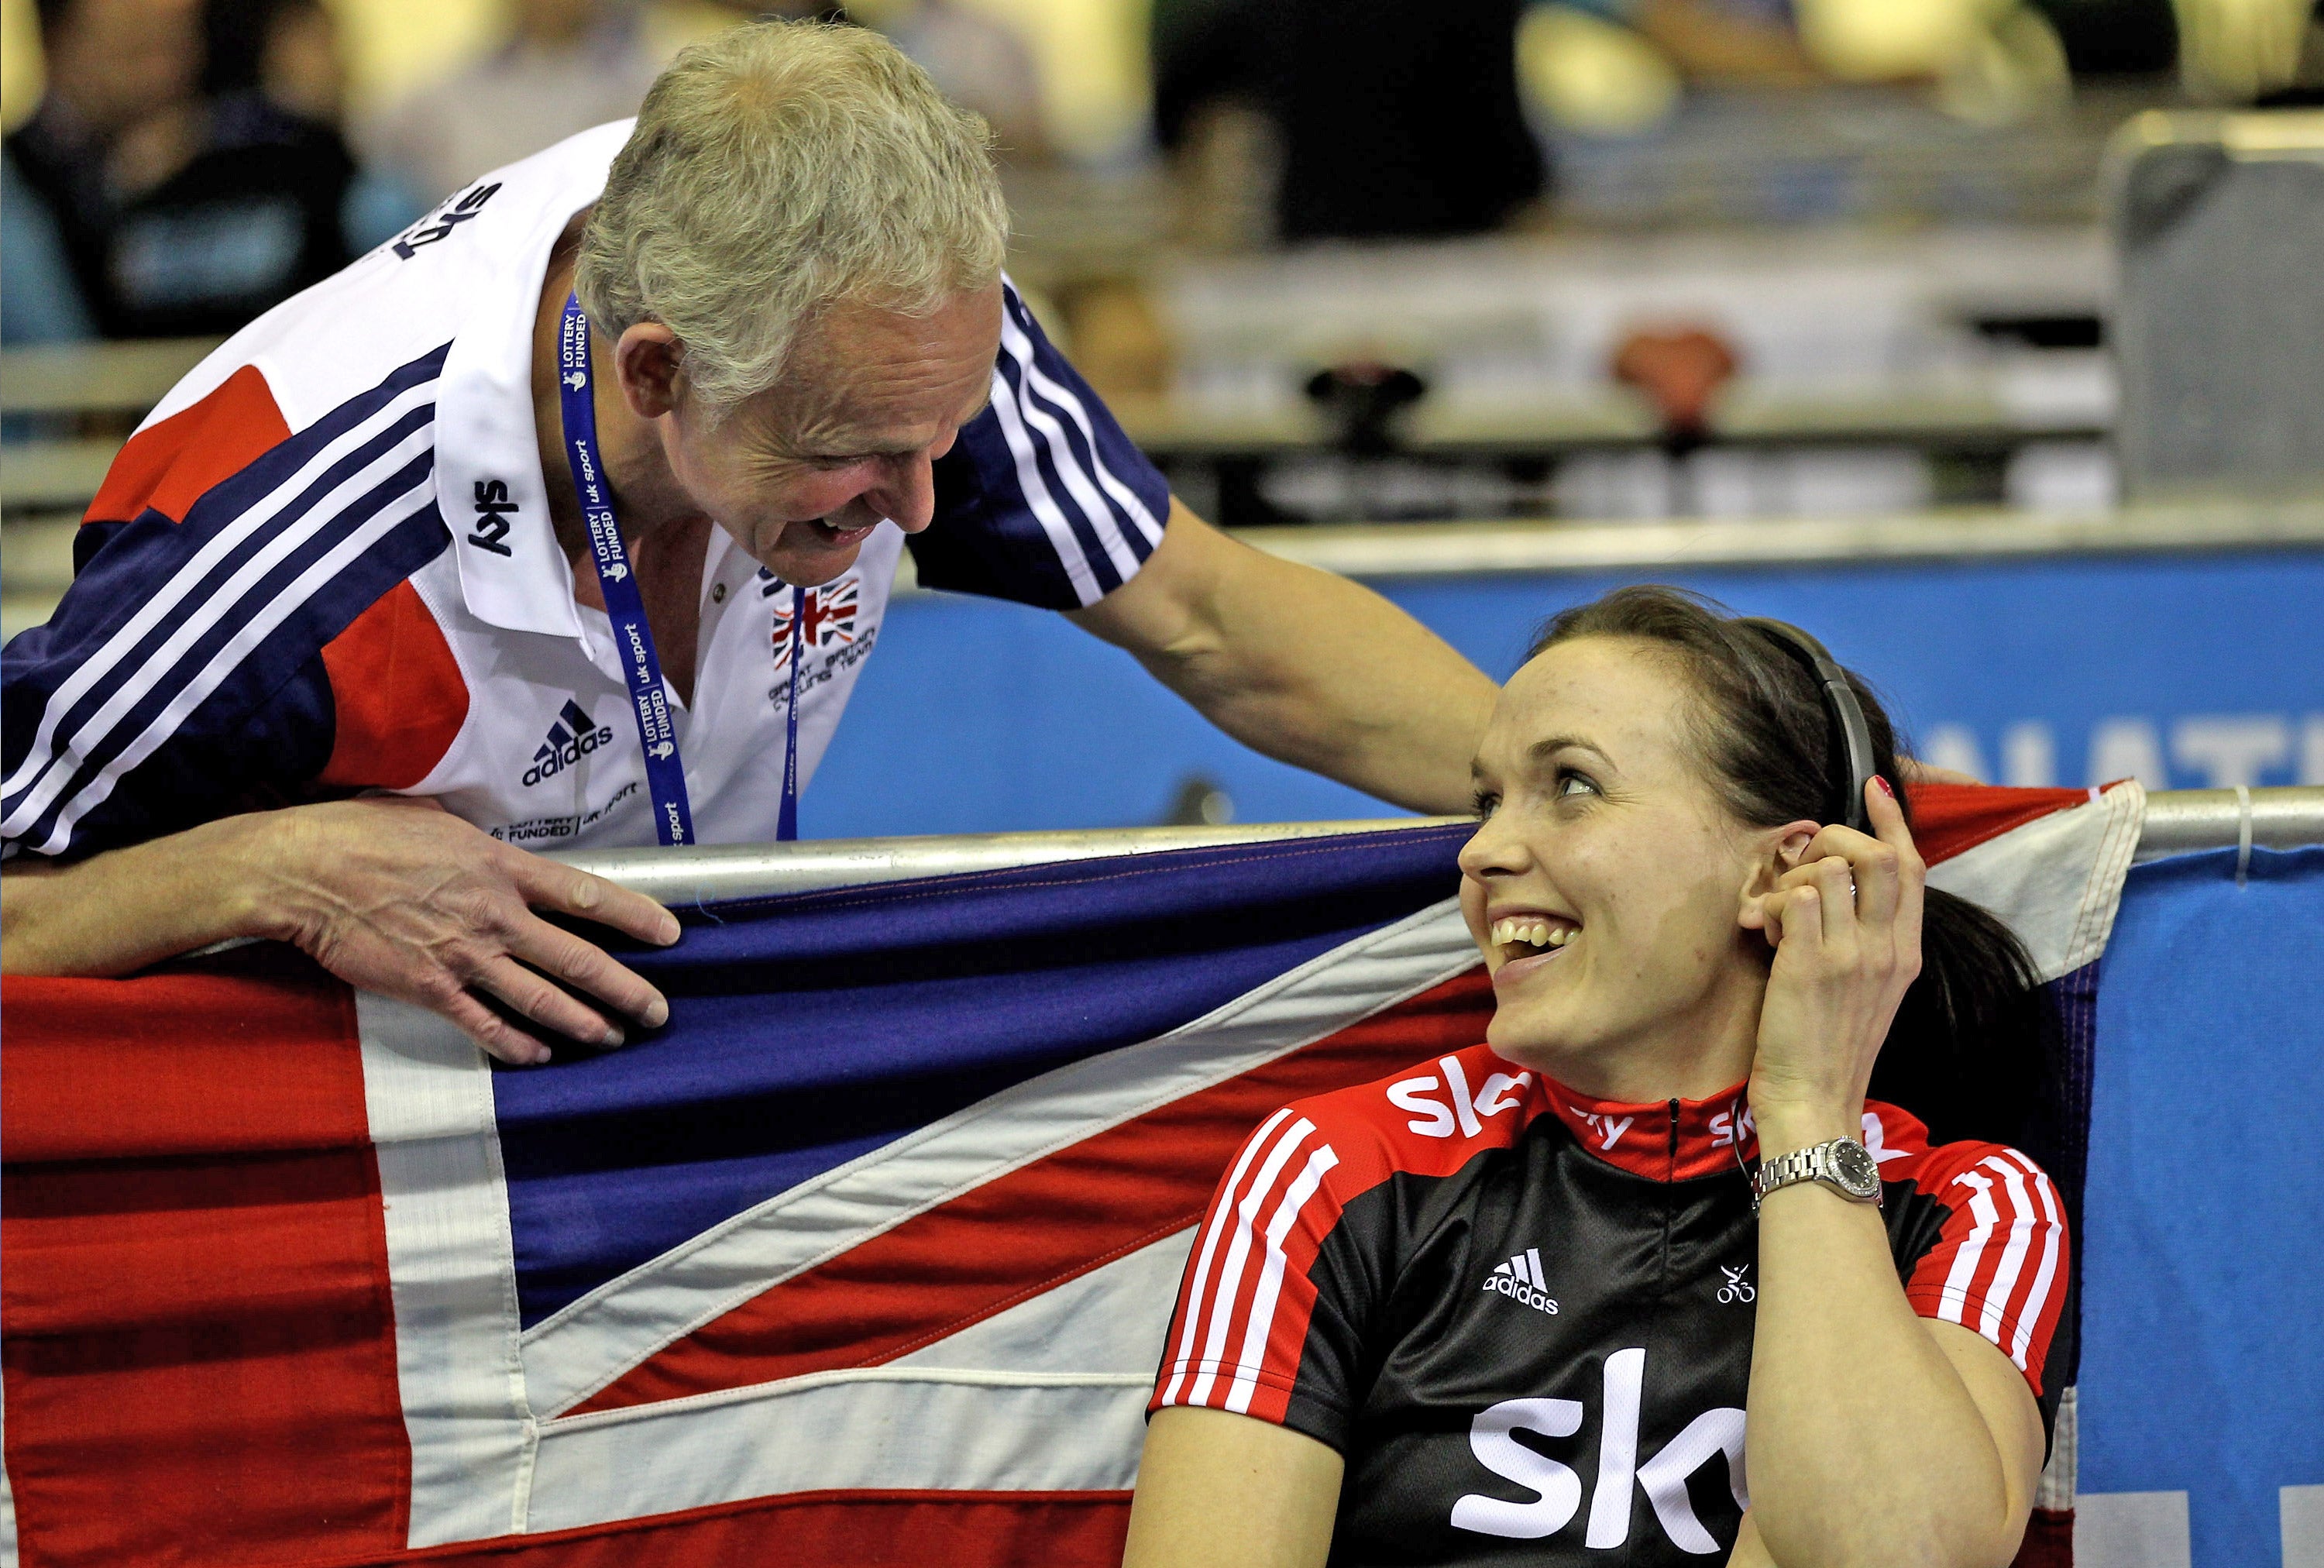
x=1851, y=736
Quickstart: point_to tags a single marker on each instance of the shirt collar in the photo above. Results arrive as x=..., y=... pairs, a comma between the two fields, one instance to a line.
x=487, y=446
x=1667, y=1139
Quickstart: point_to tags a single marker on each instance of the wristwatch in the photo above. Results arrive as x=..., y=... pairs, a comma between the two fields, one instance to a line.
x=1842, y=1163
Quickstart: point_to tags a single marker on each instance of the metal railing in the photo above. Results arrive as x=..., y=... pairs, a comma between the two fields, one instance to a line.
x=2177, y=822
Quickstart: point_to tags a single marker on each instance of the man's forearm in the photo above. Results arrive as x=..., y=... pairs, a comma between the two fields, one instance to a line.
x=1309, y=668
x=117, y=912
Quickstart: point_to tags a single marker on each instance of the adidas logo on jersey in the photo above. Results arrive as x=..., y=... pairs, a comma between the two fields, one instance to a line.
x=571, y=738
x=1520, y=1280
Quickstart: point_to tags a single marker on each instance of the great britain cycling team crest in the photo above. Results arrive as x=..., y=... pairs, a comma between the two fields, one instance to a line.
x=827, y=615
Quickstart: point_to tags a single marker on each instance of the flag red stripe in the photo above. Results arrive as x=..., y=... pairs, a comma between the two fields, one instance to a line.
x=829, y=1530
x=1063, y=1215
x=199, y=1344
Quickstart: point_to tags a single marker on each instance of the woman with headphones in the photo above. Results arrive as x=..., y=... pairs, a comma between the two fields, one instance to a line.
x=1647, y=1277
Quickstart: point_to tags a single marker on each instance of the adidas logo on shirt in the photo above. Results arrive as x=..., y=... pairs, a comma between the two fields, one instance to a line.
x=571, y=738
x=1520, y=1280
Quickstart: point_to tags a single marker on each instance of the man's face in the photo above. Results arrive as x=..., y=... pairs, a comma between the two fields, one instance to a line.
x=802, y=474
x=117, y=62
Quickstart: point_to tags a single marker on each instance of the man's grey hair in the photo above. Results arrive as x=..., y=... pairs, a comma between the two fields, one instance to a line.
x=778, y=168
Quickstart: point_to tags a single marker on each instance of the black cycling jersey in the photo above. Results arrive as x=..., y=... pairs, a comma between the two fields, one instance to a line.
x=1524, y=1316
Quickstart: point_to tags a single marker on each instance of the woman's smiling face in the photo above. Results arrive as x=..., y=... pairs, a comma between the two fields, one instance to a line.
x=1604, y=882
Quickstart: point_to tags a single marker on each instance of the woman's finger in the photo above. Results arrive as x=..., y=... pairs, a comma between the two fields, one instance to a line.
x=1793, y=916
x=1887, y=818
x=1835, y=883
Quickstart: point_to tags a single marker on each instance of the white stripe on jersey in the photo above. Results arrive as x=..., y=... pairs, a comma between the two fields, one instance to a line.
x=1230, y=1286
x=1069, y=548
x=1194, y=1291
x=1972, y=1251
x=157, y=611
x=1270, y=1279
x=253, y=632
x=2023, y=1219
x=1077, y=480
x=2037, y=1298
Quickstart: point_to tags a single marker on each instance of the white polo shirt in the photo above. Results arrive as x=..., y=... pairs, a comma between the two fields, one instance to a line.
x=324, y=564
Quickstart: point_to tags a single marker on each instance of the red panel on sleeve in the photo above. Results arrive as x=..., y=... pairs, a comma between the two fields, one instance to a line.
x=399, y=695
x=195, y=1323
x=1999, y=1266
x=168, y=466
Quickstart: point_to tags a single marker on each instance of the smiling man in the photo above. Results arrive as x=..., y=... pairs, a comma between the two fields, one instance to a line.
x=568, y=519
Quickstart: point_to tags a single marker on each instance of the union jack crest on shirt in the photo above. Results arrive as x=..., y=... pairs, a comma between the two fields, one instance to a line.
x=829, y=615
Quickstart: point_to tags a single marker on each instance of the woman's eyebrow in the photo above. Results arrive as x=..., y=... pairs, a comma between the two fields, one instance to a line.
x=1541, y=751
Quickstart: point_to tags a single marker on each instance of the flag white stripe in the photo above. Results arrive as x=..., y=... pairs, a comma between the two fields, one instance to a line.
x=1230, y=1288
x=2012, y=1257
x=253, y=632
x=1036, y=493
x=163, y=605
x=1270, y=1280
x=1075, y=479
x=1972, y=1250
x=1196, y=1296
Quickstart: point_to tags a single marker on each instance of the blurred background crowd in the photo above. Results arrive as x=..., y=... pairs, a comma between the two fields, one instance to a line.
x=1331, y=259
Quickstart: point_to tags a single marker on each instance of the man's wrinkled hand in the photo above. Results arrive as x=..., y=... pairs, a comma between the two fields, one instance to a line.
x=401, y=898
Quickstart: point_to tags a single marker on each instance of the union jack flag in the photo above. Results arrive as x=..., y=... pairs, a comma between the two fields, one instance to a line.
x=867, y=1257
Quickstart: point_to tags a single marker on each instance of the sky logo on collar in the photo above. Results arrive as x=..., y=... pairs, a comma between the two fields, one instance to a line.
x=492, y=509
x=571, y=738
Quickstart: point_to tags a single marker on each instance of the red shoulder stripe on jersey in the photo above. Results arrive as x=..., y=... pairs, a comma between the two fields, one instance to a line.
x=400, y=696
x=1999, y=1265
x=168, y=466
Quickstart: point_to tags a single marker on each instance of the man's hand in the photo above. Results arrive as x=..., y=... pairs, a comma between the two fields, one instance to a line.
x=402, y=897
x=393, y=896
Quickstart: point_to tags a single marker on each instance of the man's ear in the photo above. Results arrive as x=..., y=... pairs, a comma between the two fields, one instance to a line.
x=646, y=364
x=1781, y=849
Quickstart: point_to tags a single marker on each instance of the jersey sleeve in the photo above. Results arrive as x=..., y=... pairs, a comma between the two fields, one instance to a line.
x=1042, y=498
x=1278, y=1289
x=1996, y=1260
x=184, y=677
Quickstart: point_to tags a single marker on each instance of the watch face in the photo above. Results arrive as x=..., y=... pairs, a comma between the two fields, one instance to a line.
x=1857, y=1171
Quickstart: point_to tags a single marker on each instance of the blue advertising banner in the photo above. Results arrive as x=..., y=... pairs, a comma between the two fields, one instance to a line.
x=2184, y=671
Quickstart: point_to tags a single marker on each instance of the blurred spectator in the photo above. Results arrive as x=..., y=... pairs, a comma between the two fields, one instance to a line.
x=287, y=54
x=174, y=212
x=571, y=64
x=979, y=65
x=1395, y=119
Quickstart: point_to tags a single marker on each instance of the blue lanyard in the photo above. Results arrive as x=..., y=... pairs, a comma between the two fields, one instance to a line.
x=665, y=770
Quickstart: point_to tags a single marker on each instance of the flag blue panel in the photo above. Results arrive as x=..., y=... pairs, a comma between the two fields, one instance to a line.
x=810, y=1029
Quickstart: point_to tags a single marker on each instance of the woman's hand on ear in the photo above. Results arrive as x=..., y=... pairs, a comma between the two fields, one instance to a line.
x=1846, y=927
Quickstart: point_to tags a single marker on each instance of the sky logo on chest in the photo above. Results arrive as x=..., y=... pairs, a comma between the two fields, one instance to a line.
x=825, y=615
x=573, y=736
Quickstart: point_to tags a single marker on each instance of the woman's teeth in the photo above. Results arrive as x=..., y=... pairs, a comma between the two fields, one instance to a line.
x=1532, y=932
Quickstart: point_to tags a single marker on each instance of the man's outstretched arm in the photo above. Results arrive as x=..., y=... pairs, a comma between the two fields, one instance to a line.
x=1309, y=668
x=393, y=896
